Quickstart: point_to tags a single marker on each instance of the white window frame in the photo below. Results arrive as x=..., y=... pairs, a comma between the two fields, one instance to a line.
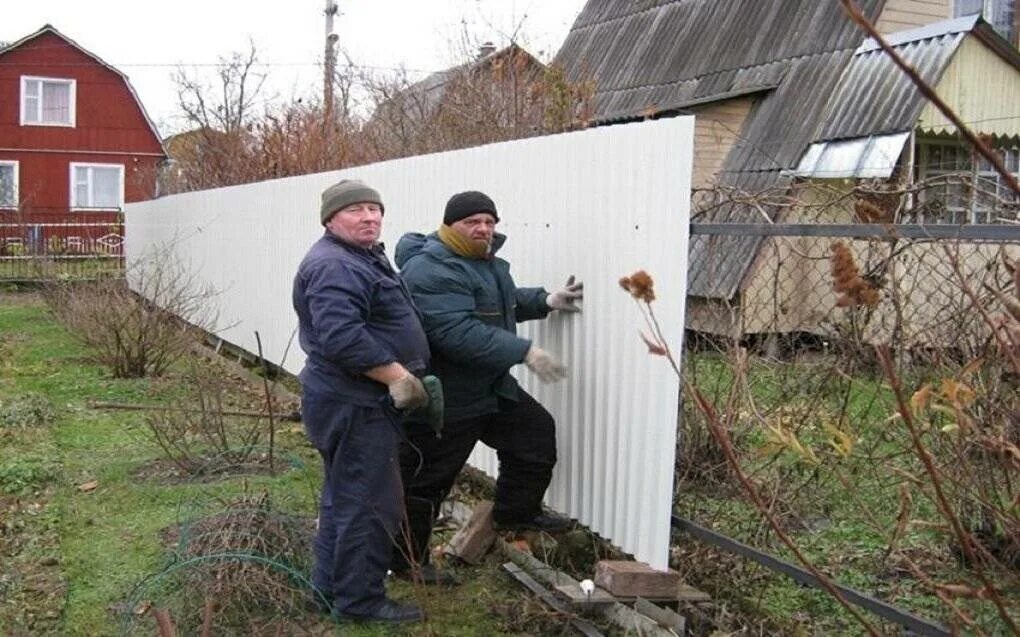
x=981, y=175
x=71, y=187
x=14, y=164
x=72, y=100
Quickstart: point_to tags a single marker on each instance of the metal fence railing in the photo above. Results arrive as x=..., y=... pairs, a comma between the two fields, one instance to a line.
x=41, y=251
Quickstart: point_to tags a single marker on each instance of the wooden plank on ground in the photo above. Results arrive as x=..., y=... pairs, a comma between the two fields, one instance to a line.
x=475, y=538
x=664, y=616
x=582, y=626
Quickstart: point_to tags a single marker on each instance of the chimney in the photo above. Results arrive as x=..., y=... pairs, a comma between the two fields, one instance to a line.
x=486, y=49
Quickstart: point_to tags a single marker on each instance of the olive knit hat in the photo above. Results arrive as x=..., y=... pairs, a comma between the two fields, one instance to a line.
x=465, y=204
x=344, y=193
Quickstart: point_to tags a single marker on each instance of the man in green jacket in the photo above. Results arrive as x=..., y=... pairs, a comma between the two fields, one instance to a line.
x=470, y=308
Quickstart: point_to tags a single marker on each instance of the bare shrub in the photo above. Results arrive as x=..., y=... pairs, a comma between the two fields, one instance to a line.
x=881, y=439
x=239, y=568
x=198, y=435
x=138, y=330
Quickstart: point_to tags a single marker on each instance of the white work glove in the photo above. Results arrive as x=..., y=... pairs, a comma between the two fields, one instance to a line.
x=563, y=299
x=542, y=363
x=408, y=393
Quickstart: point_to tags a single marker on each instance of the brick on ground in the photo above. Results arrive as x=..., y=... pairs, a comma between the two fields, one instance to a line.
x=475, y=538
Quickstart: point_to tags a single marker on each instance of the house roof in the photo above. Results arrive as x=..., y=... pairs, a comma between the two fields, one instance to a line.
x=49, y=28
x=894, y=103
x=659, y=56
x=428, y=93
x=818, y=77
x=665, y=54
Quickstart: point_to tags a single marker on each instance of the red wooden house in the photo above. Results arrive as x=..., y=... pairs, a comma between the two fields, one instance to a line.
x=75, y=143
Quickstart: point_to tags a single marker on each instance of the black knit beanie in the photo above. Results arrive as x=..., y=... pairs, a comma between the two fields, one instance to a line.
x=465, y=204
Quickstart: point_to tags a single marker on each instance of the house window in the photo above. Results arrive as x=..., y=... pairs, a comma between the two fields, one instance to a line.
x=47, y=101
x=963, y=187
x=999, y=13
x=97, y=186
x=8, y=184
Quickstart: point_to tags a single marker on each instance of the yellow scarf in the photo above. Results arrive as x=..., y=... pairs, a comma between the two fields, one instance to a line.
x=461, y=245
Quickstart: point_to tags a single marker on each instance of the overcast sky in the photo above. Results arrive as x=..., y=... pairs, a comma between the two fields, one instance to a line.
x=147, y=40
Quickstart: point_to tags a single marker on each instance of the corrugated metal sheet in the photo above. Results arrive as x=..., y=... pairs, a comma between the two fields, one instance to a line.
x=659, y=53
x=596, y=204
x=693, y=52
x=860, y=158
x=718, y=263
x=875, y=97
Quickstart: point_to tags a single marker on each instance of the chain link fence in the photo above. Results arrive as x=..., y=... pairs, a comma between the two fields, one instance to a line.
x=868, y=377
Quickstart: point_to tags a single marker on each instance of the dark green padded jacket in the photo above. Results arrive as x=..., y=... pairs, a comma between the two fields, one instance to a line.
x=470, y=310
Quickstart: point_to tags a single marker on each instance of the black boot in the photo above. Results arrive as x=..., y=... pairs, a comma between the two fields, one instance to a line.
x=390, y=612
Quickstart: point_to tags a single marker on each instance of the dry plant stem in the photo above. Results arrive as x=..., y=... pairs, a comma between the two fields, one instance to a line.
x=207, y=616
x=163, y=622
x=135, y=407
x=269, y=403
x=724, y=442
x=653, y=324
x=964, y=538
x=857, y=16
x=1006, y=347
x=945, y=599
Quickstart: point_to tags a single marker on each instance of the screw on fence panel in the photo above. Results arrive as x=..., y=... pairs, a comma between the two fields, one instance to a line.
x=970, y=232
x=918, y=625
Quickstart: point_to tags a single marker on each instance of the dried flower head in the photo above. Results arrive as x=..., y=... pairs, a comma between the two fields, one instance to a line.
x=853, y=289
x=640, y=286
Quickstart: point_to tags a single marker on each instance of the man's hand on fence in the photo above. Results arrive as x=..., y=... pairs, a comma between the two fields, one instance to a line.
x=407, y=392
x=564, y=298
x=542, y=363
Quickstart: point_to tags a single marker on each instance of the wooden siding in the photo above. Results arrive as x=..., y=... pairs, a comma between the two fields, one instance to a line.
x=110, y=128
x=789, y=286
x=44, y=191
x=717, y=127
x=899, y=15
x=989, y=104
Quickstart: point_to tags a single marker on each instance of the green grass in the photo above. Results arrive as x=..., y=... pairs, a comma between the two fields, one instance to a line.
x=92, y=548
x=826, y=518
x=43, y=269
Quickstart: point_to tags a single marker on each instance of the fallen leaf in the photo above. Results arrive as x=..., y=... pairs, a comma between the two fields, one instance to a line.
x=89, y=486
x=143, y=607
x=521, y=545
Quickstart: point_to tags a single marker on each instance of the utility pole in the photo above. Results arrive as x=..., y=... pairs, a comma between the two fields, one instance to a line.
x=329, y=65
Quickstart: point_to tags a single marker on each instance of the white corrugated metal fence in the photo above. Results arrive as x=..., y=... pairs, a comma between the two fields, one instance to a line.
x=597, y=204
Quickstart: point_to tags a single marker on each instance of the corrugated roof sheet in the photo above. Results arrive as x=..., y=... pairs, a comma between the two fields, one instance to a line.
x=859, y=158
x=875, y=97
x=649, y=56
x=820, y=79
x=662, y=53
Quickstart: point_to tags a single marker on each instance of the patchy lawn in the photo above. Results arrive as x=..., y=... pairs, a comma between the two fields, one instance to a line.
x=88, y=521
x=819, y=437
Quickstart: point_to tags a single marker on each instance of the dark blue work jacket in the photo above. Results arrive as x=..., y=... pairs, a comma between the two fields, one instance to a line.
x=354, y=313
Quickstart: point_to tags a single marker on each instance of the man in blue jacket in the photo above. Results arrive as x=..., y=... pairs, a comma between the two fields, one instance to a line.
x=365, y=345
x=470, y=308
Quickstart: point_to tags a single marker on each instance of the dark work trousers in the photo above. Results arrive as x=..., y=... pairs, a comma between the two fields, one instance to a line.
x=523, y=434
x=360, y=507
